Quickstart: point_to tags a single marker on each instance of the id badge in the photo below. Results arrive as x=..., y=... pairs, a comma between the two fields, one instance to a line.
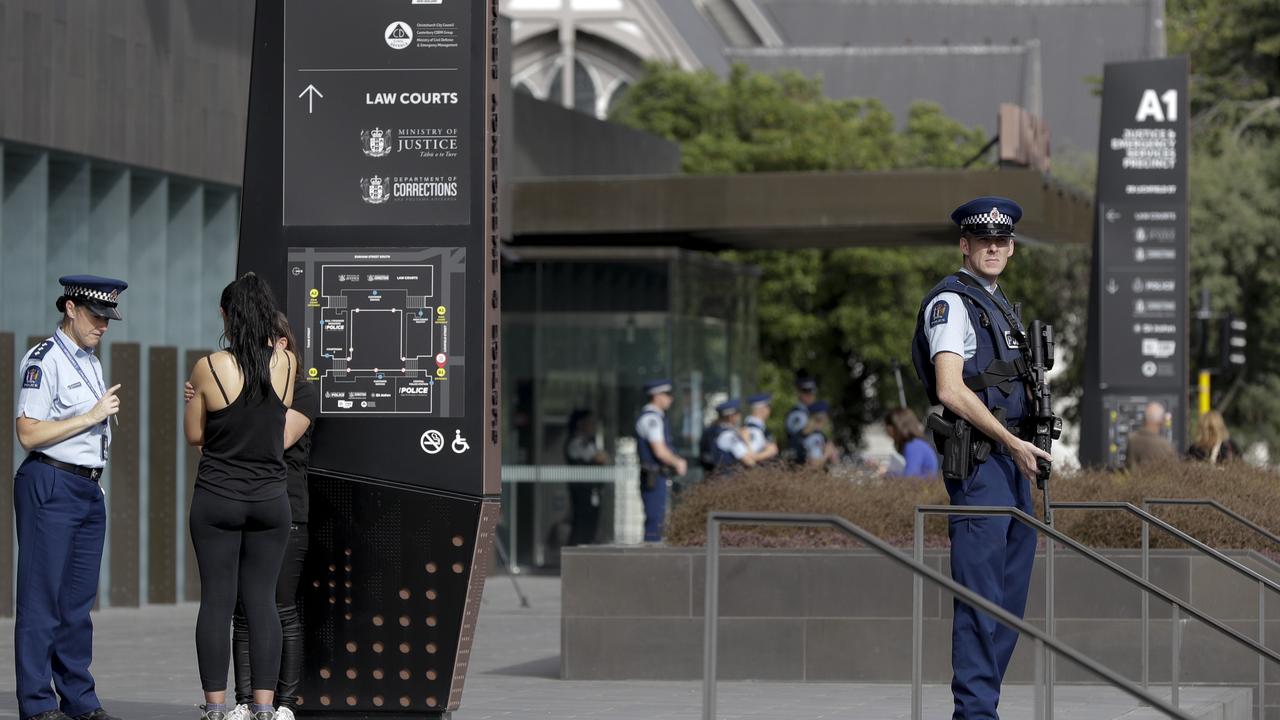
x=105, y=452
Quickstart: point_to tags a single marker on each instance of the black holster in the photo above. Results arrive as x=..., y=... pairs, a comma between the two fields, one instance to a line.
x=650, y=476
x=961, y=446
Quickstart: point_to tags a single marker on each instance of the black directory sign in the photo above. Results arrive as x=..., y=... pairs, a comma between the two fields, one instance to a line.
x=377, y=326
x=1138, y=305
x=370, y=208
x=376, y=113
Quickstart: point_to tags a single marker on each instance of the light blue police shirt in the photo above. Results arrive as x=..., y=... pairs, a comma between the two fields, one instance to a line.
x=755, y=434
x=797, y=418
x=649, y=424
x=51, y=389
x=952, y=331
x=731, y=442
x=815, y=445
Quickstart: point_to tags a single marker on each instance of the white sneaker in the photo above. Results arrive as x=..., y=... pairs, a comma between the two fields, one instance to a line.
x=239, y=712
x=284, y=713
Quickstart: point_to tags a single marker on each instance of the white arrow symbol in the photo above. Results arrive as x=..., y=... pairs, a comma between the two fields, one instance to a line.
x=1112, y=286
x=1112, y=215
x=312, y=93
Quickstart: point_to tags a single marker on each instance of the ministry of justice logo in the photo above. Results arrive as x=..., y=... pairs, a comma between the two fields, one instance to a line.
x=376, y=142
x=374, y=190
x=398, y=35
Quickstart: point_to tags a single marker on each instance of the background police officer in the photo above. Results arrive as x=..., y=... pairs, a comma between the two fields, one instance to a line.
x=815, y=440
x=64, y=411
x=658, y=461
x=798, y=416
x=724, y=442
x=759, y=439
x=966, y=351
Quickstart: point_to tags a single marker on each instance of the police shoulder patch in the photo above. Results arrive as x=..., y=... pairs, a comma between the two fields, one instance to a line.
x=31, y=377
x=940, y=313
x=41, y=350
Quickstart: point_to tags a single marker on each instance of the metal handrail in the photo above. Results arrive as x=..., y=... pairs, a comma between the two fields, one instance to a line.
x=1042, y=639
x=1206, y=502
x=1264, y=583
x=1057, y=535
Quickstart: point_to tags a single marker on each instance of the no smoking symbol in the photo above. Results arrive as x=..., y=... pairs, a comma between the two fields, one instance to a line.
x=432, y=442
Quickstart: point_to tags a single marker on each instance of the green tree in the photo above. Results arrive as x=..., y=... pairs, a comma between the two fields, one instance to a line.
x=845, y=315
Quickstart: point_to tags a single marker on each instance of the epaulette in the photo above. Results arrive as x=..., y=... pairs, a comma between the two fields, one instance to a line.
x=41, y=350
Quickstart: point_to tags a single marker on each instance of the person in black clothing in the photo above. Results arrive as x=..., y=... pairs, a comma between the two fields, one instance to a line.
x=1213, y=441
x=240, y=512
x=297, y=455
x=584, y=497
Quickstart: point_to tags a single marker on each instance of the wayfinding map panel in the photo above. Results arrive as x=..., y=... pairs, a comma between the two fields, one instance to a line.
x=374, y=328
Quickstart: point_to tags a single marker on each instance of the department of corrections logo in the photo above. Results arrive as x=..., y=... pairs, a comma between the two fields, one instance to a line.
x=398, y=35
x=375, y=142
x=374, y=190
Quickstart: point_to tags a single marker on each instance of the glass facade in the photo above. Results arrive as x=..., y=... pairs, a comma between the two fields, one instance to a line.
x=583, y=330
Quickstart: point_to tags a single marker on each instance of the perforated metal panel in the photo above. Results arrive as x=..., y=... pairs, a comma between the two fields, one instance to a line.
x=385, y=598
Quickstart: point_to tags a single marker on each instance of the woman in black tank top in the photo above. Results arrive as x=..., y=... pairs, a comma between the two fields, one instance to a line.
x=240, y=511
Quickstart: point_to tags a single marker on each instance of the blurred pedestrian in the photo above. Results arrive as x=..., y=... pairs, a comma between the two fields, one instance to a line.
x=907, y=433
x=1149, y=443
x=240, y=515
x=63, y=421
x=1213, y=441
x=582, y=450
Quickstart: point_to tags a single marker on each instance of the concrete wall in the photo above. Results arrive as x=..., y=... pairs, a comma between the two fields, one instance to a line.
x=158, y=84
x=636, y=613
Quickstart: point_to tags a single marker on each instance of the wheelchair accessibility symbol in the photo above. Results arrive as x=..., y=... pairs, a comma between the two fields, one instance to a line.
x=431, y=442
x=459, y=443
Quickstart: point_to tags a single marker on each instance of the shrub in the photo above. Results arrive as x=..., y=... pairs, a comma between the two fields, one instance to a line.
x=885, y=506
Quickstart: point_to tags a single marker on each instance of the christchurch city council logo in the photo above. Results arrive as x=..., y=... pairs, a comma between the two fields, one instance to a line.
x=398, y=35
x=375, y=142
x=374, y=191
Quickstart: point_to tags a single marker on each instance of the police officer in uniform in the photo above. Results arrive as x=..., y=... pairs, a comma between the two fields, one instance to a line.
x=798, y=417
x=815, y=442
x=759, y=439
x=658, y=461
x=967, y=352
x=63, y=422
x=724, y=444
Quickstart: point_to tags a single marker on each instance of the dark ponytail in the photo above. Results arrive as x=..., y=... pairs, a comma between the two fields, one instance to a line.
x=250, y=331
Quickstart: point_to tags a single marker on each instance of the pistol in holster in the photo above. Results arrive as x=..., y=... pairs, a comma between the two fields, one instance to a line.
x=961, y=446
x=650, y=476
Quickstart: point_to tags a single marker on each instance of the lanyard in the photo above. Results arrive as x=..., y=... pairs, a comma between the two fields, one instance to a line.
x=93, y=387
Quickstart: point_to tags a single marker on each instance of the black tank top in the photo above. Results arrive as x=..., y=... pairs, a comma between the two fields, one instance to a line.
x=243, y=455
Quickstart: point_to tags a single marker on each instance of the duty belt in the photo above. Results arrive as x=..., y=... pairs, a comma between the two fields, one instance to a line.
x=88, y=472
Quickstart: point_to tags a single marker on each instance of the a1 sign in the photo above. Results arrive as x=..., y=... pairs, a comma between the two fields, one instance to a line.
x=1160, y=108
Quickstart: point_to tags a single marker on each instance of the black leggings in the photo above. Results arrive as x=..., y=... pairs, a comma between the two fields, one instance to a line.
x=239, y=545
x=291, y=650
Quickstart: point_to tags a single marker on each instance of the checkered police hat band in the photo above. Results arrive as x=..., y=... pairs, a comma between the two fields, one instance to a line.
x=73, y=291
x=994, y=217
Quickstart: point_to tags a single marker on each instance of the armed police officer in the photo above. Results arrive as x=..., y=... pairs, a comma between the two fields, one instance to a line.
x=797, y=419
x=658, y=459
x=968, y=353
x=63, y=422
x=759, y=439
x=815, y=441
x=723, y=446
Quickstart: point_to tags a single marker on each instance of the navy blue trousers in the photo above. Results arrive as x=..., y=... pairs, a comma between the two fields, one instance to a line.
x=61, y=521
x=991, y=556
x=655, y=509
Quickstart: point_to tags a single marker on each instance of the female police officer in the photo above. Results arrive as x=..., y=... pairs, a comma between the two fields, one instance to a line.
x=64, y=408
x=966, y=351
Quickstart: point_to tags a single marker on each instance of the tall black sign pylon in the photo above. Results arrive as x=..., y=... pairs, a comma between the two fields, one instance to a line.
x=370, y=207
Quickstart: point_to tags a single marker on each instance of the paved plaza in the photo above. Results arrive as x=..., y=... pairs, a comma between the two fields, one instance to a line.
x=145, y=665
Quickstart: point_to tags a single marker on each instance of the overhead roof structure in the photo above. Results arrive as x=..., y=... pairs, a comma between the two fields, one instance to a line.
x=787, y=210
